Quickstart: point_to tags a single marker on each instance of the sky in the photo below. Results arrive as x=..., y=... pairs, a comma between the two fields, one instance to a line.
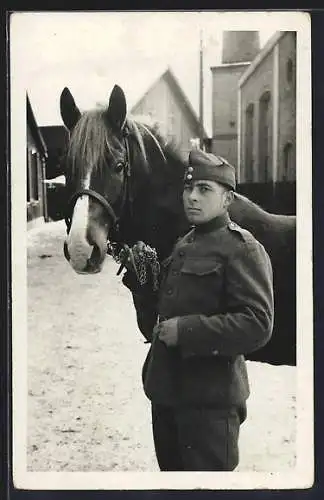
x=91, y=51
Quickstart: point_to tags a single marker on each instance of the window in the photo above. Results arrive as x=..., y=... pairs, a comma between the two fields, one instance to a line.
x=288, y=167
x=27, y=176
x=289, y=70
x=265, y=135
x=34, y=175
x=249, y=116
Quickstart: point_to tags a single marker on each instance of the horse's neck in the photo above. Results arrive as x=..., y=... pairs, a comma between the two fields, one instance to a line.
x=272, y=230
x=158, y=210
x=244, y=211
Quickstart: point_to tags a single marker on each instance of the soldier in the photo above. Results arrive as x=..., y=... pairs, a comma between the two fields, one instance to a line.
x=215, y=304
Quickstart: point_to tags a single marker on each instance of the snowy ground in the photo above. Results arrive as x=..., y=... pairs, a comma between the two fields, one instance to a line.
x=86, y=407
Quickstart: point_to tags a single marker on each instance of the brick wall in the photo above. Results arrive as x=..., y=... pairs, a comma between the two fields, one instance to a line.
x=256, y=86
x=287, y=107
x=261, y=81
x=224, y=110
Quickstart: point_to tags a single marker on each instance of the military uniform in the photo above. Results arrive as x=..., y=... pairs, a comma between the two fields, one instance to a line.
x=218, y=282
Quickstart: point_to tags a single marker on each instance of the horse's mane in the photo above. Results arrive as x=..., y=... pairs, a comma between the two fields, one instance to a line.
x=90, y=141
x=164, y=156
x=92, y=138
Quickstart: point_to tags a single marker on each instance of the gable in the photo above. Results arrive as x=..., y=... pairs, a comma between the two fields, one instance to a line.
x=166, y=92
x=164, y=104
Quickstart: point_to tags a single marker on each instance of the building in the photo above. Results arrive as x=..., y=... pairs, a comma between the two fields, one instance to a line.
x=166, y=103
x=239, y=49
x=36, y=171
x=56, y=138
x=267, y=113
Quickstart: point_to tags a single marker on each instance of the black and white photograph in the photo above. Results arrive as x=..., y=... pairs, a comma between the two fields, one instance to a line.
x=161, y=237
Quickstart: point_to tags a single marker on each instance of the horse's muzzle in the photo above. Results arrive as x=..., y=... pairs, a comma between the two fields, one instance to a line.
x=93, y=264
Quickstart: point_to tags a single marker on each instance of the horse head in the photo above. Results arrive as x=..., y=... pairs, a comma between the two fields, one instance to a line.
x=124, y=181
x=96, y=167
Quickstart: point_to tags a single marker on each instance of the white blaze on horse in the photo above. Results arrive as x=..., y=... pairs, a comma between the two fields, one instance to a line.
x=125, y=185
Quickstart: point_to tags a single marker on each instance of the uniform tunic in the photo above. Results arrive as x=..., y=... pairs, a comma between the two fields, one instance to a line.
x=218, y=281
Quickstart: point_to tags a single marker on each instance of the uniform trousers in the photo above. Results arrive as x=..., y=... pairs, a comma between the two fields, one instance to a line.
x=196, y=439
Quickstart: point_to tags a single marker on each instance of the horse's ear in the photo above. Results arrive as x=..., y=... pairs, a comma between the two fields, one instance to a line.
x=69, y=111
x=117, y=109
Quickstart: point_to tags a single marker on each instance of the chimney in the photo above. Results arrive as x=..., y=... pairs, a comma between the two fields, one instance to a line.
x=240, y=46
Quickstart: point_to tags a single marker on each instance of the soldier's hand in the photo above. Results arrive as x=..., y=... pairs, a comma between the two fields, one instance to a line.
x=130, y=257
x=167, y=331
x=142, y=261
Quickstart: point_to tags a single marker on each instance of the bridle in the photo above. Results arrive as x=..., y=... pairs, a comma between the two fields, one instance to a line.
x=116, y=247
x=115, y=244
x=109, y=209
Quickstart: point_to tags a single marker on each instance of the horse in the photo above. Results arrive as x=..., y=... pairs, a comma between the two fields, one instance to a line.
x=124, y=181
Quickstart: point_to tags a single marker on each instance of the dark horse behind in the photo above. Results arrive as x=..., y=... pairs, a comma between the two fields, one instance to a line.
x=125, y=184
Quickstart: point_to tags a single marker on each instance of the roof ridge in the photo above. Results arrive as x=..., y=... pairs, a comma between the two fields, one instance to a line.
x=170, y=72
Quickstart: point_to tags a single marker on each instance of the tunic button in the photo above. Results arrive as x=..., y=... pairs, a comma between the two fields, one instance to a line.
x=181, y=253
x=169, y=291
x=189, y=177
x=190, y=169
x=215, y=352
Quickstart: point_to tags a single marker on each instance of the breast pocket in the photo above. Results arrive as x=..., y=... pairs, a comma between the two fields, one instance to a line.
x=204, y=279
x=202, y=267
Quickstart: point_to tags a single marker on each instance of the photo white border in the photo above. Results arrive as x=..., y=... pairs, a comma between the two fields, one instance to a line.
x=303, y=474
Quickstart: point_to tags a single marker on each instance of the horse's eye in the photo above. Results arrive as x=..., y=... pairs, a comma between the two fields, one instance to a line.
x=119, y=167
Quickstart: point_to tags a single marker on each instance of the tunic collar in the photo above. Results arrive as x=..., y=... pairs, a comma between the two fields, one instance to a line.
x=211, y=225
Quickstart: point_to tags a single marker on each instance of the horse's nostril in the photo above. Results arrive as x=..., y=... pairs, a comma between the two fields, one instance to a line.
x=95, y=255
x=93, y=263
x=66, y=251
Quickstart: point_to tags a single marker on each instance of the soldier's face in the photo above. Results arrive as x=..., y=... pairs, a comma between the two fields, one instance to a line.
x=205, y=200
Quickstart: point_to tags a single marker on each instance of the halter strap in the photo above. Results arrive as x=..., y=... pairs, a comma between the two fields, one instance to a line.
x=93, y=194
x=127, y=191
x=101, y=199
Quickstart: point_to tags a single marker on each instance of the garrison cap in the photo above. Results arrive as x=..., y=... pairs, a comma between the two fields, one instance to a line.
x=206, y=166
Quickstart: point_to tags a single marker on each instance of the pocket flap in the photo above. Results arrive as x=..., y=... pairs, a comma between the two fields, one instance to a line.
x=201, y=267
